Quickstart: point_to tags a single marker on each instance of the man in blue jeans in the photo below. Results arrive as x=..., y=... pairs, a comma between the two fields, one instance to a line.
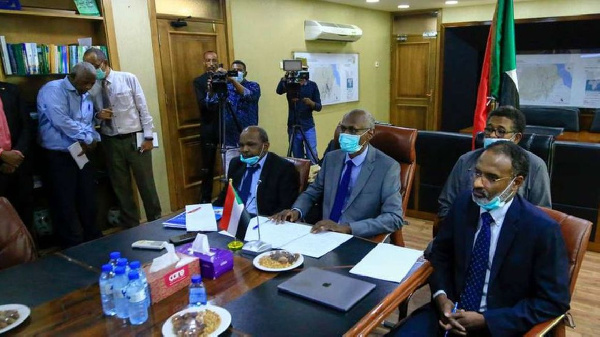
x=300, y=108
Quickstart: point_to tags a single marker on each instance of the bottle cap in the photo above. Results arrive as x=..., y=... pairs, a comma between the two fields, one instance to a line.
x=134, y=264
x=133, y=275
x=120, y=270
x=197, y=278
x=122, y=262
x=107, y=268
x=115, y=255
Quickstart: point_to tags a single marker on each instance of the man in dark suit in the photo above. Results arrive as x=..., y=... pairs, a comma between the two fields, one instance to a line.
x=16, y=183
x=498, y=258
x=259, y=171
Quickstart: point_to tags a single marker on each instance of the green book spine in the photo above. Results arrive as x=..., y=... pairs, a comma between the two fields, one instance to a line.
x=87, y=7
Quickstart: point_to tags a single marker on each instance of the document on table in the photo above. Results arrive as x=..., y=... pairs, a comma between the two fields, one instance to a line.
x=387, y=262
x=200, y=217
x=75, y=149
x=295, y=237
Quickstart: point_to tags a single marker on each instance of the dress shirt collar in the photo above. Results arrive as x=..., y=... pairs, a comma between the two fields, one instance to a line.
x=499, y=213
x=358, y=160
x=109, y=77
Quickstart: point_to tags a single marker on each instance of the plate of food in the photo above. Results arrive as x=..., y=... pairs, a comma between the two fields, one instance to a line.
x=11, y=315
x=205, y=321
x=278, y=260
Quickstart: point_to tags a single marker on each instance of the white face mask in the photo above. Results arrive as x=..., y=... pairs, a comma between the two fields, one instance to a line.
x=489, y=141
x=240, y=76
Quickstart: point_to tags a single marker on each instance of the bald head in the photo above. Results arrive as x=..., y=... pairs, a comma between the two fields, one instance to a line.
x=83, y=77
x=262, y=134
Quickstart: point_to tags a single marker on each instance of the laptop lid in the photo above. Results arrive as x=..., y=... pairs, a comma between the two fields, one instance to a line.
x=328, y=288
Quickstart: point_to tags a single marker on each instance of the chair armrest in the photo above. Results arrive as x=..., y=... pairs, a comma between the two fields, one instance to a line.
x=543, y=328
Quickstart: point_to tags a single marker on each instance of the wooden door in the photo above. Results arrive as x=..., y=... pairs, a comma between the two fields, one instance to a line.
x=413, y=83
x=181, y=53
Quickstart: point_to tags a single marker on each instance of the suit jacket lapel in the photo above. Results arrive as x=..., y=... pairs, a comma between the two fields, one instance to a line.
x=510, y=228
x=332, y=179
x=363, y=176
x=471, y=221
x=266, y=170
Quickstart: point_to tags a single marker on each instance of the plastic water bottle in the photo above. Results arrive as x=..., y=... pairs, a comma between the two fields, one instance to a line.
x=106, y=290
x=197, y=292
x=113, y=259
x=136, y=297
x=119, y=286
x=136, y=266
x=122, y=262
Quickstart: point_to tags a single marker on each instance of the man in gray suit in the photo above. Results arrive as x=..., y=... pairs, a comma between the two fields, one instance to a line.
x=359, y=185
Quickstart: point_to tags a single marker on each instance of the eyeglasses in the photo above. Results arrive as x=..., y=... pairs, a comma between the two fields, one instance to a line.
x=351, y=130
x=486, y=178
x=499, y=132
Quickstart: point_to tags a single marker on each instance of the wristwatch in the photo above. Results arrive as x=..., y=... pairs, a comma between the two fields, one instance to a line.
x=149, y=138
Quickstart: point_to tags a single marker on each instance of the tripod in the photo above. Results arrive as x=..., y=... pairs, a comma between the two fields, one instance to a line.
x=224, y=107
x=297, y=129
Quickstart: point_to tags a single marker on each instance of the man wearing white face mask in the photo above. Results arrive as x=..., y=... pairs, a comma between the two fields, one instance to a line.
x=242, y=97
x=257, y=170
x=503, y=124
x=358, y=184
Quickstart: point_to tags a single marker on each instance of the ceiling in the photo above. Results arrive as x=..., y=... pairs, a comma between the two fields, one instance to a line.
x=392, y=5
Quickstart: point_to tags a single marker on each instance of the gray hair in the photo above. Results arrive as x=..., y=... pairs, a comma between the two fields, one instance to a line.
x=82, y=68
x=370, y=119
x=262, y=134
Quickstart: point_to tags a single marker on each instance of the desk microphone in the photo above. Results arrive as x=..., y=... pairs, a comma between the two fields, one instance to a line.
x=257, y=246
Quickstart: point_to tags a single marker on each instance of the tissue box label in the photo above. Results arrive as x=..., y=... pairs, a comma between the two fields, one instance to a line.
x=177, y=276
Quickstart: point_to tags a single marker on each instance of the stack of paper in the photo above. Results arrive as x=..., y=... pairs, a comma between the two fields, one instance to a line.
x=387, y=262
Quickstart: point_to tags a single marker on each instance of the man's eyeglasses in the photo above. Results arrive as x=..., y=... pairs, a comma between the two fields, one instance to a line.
x=351, y=130
x=499, y=132
x=487, y=178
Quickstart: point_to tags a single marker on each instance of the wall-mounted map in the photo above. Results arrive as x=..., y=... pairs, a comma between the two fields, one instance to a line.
x=335, y=74
x=559, y=80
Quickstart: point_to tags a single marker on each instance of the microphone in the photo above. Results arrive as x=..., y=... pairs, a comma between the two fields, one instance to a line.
x=256, y=204
x=256, y=246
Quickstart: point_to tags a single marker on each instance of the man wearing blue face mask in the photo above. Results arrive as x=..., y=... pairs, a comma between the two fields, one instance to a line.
x=500, y=263
x=359, y=185
x=258, y=171
x=503, y=124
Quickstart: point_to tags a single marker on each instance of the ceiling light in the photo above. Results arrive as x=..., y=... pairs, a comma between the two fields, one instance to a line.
x=403, y=6
x=372, y=0
x=451, y=2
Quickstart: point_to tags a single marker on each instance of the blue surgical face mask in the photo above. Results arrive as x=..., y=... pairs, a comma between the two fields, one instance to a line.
x=489, y=141
x=497, y=201
x=252, y=160
x=100, y=74
x=350, y=143
x=240, y=77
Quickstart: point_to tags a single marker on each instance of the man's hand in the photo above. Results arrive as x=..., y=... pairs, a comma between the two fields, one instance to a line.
x=105, y=114
x=291, y=215
x=447, y=321
x=309, y=102
x=12, y=157
x=328, y=225
x=85, y=148
x=471, y=320
x=7, y=169
x=146, y=146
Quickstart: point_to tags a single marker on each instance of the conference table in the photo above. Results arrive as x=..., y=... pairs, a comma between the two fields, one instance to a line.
x=62, y=290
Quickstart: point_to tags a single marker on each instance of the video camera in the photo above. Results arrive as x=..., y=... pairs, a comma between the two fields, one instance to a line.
x=294, y=76
x=219, y=80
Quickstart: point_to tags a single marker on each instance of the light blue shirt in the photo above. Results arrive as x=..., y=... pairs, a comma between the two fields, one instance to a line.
x=65, y=117
x=357, y=161
x=251, y=202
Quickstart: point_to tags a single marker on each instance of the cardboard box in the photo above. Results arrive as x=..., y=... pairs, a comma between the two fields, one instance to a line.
x=211, y=266
x=167, y=281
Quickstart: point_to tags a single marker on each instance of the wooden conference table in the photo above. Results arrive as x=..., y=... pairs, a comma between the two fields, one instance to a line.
x=62, y=290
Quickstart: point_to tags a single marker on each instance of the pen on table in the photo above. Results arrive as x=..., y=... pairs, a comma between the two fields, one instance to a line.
x=453, y=311
x=195, y=209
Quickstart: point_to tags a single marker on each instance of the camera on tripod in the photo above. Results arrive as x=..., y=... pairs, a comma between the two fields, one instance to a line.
x=294, y=76
x=219, y=80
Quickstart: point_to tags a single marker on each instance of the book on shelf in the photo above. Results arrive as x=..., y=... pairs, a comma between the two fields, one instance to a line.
x=87, y=7
x=40, y=59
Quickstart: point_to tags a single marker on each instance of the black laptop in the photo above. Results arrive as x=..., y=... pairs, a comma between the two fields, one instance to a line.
x=328, y=288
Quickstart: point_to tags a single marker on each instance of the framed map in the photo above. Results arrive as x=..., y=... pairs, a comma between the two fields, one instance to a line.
x=559, y=80
x=336, y=75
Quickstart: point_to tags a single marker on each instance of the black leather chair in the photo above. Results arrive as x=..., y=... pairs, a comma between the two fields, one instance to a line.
x=595, y=127
x=540, y=145
x=567, y=117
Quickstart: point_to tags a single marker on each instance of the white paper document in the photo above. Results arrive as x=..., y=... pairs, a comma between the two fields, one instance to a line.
x=387, y=262
x=75, y=149
x=139, y=139
x=295, y=237
x=200, y=217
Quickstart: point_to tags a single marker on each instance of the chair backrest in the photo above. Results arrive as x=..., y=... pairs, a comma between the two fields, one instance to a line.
x=595, y=127
x=564, y=117
x=16, y=244
x=303, y=168
x=399, y=143
x=576, y=233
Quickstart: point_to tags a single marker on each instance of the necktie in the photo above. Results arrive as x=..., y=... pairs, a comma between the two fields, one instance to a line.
x=342, y=192
x=106, y=104
x=470, y=299
x=247, y=182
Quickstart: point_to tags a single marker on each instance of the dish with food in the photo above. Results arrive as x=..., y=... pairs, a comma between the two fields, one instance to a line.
x=11, y=315
x=204, y=321
x=278, y=260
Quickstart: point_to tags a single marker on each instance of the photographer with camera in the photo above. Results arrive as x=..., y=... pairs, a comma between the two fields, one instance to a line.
x=238, y=98
x=303, y=98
